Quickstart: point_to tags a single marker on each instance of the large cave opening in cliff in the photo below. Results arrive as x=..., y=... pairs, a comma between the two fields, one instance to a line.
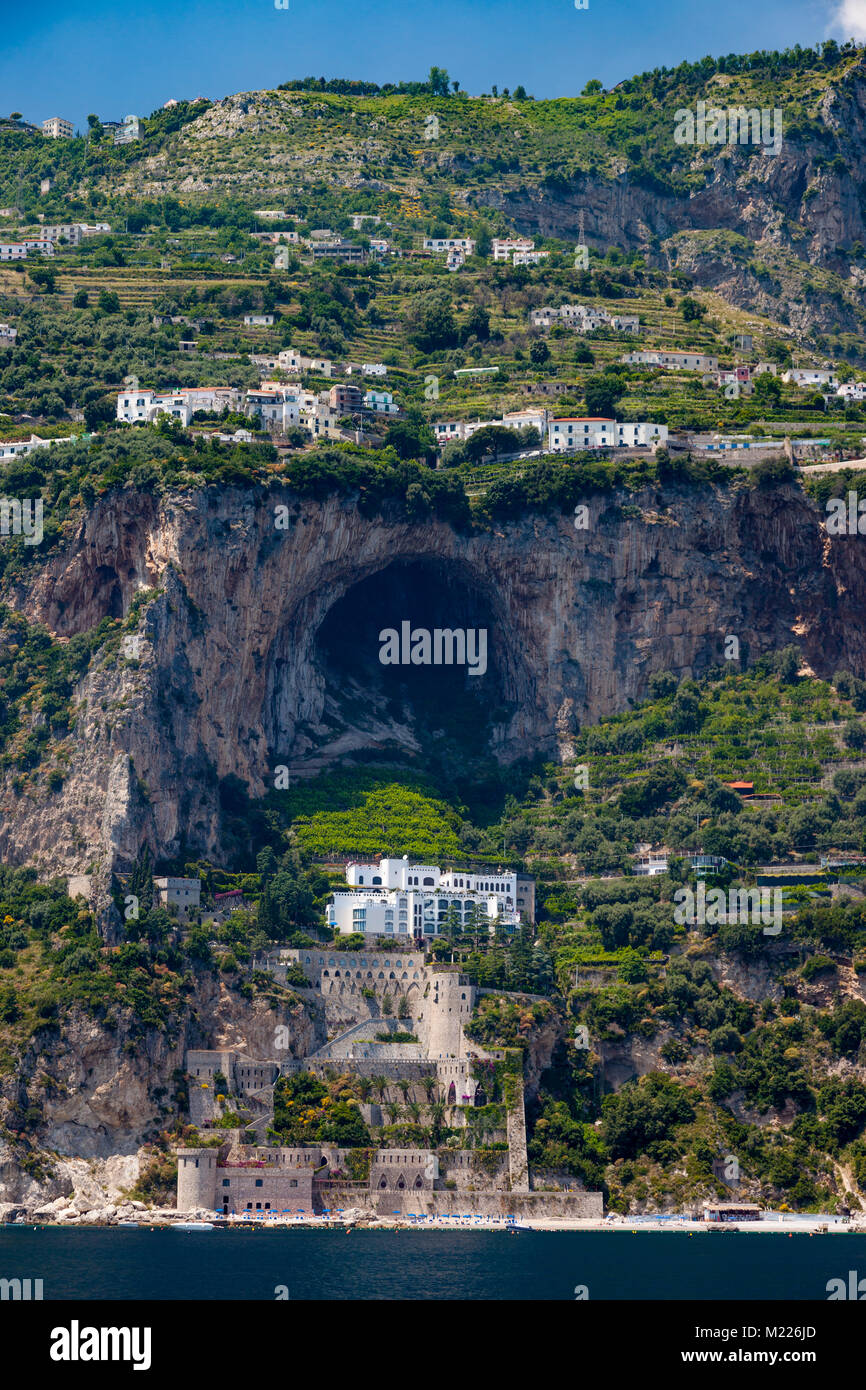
x=417, y=657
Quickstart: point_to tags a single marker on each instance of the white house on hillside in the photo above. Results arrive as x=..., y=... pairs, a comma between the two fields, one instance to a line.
x=397, y=898
x=596, y=432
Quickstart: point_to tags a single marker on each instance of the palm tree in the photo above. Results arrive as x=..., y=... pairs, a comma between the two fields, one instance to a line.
x=403, y=1086
x=429, y=1084
x=393, y=1112
x=437, y=1117
x=380, y=1083
x=365, y=1086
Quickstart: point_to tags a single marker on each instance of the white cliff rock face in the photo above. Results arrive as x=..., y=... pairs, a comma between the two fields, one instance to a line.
x=232, y=678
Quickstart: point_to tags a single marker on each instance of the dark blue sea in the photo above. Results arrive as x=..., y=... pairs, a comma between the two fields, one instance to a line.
x=428, y=1265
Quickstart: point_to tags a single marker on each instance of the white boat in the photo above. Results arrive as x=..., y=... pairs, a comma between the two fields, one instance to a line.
x=194, y=1226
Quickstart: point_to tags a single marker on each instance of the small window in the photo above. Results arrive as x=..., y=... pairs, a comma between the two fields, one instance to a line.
x=259, y=1182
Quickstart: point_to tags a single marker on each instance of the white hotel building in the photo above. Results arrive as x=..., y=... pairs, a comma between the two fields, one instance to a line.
x=397, y=898
x=596, y=432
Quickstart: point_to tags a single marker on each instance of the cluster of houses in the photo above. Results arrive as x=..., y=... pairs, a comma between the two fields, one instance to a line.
x=740, y=377
x=7, y=334
x=46, y=239
x=294, y=363
x=279, y=406
x=125, y=132
x=584, y=319
x=323, y=243
x=564, y=434
x=447, y=431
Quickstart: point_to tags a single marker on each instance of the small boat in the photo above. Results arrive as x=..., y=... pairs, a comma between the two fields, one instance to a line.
x=193, y=1226
x=134, y=1224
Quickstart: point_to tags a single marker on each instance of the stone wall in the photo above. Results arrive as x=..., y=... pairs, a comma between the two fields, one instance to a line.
x=531, y=1206
x=466, y=1168
x=255, y=1189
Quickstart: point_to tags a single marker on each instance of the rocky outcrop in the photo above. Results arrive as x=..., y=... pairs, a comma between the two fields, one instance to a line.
x=101, y=1093
x=235, y=678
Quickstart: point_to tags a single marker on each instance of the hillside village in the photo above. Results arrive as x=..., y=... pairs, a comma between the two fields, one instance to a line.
x=559, y=932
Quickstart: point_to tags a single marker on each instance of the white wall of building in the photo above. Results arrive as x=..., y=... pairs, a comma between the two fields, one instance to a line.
x=397, y=898
x=567, y=435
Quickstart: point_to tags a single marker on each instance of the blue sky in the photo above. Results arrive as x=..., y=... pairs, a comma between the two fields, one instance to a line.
x=99, y=55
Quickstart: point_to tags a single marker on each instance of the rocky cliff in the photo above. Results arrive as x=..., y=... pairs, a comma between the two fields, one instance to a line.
x=101, y=1093
x=260, y=648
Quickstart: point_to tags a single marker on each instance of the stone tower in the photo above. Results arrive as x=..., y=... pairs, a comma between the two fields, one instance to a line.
x=449, y=1006
x=196, y=1179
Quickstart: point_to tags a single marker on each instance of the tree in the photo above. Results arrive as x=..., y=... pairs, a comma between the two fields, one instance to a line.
x=141, y=880
x=266, y=864
x=691, y=310
x=81, y=299
x=109, y=303
x=520, y=92
x=438, y=82
x=477, y=324
x=45, y=276
x=539, y=352
x=492, y=439
x=771, y=471
x=483, y=240
x=285, y=904
x=725, y=1039
x=592, y=87
x=768, y=389
x=854, y=735
x=411, y=437
x=433, y=324
x=100, y=412
x=662, y=684
x=602, y=393
x=9, y=1010
x=788, y=664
